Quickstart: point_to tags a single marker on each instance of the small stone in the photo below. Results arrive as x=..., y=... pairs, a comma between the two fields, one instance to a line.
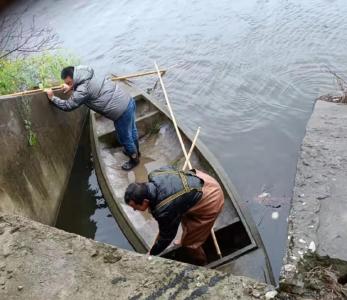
x=69, y=251
x=111, y=258
x=14, y=229
x=270, y=295
x=289, y=268
x=256, y=294
x=302, y=241
x=2, y=281
x=322, y=197
x=95, y=253
x=312, y=247
x=20, y=287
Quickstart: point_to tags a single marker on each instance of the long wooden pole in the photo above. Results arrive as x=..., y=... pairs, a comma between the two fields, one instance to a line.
x=191, y=149
x=183, y=147
x=172, y=116
x=29, y=92
x=114, y=77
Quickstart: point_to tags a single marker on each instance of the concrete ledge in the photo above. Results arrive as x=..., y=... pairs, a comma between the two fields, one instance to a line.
x=318, y=218
x=41, y=262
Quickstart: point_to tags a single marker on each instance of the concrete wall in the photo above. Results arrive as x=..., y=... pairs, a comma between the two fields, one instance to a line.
x=41, y=262
x=38, y=145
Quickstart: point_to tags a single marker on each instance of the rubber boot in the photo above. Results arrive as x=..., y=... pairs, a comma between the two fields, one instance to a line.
x=132, y=163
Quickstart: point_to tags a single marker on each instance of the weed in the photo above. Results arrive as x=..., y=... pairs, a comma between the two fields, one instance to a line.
x=37, y=71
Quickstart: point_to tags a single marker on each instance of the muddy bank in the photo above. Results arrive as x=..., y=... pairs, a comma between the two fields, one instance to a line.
x=41, y=262
x=316, y=261
x=38, y=146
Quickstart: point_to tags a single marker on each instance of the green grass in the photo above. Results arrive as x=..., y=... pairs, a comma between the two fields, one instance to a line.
x=37, y=71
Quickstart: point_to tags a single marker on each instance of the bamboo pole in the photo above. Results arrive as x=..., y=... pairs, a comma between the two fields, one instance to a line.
x=172, y=116
x=215, y=242
x=29, y=92
x=114, y=77
x=191, y=149
x=183, y=147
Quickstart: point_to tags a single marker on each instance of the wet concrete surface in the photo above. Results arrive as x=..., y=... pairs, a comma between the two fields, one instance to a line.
x=60, y=265
x=318, y=218
x=84, y=211
x=38, y=146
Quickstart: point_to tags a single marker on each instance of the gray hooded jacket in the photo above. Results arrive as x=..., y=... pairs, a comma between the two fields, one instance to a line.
x=106, y=97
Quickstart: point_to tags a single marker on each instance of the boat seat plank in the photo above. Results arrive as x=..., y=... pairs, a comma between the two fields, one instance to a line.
x=106, y=126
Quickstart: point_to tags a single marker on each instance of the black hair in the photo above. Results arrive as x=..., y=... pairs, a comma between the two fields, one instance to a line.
x=136, y=192
x=67, y=71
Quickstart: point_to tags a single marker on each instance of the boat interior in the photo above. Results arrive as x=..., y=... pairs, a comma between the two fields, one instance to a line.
x=159, y=147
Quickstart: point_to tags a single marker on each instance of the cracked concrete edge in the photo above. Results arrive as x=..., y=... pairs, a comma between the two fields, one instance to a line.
x=41, y=262
x=304, y=221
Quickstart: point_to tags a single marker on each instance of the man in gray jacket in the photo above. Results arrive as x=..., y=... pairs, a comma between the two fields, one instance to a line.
x=106, y=98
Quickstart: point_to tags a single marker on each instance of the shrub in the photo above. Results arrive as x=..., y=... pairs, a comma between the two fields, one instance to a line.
x=38, y=71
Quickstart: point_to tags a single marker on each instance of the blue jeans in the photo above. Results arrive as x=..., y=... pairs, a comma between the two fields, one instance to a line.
x=126, y=129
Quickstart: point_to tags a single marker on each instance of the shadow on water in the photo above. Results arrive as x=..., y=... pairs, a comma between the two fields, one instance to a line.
x=84, y=210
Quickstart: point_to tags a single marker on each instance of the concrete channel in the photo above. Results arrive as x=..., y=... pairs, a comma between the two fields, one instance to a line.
x=41, y=262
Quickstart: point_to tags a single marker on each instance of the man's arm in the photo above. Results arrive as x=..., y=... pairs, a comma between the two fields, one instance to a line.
x=167, y=232
x=77, y=98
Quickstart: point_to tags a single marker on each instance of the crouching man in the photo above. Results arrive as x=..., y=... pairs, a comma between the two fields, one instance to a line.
x=106, y=98
x=191, y=198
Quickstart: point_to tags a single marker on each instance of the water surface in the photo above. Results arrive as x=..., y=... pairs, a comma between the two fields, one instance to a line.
x=84, y=210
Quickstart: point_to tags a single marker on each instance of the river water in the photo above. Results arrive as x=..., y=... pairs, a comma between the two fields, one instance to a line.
x=247, y=72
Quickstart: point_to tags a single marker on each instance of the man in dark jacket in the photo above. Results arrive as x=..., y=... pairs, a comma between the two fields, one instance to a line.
x=191, y=198
x=106, y=98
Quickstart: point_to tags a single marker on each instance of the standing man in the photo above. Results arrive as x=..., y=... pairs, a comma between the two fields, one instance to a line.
x=106, y=98
x=191, y=198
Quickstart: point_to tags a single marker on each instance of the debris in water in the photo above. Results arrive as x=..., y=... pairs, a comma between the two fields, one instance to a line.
x=263, y=195
x=275, y=215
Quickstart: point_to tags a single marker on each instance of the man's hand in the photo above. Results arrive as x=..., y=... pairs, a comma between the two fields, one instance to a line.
x=66, y=88
x=49, y=93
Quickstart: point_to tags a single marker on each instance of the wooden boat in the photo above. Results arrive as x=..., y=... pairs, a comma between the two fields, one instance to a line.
x=243, y=252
